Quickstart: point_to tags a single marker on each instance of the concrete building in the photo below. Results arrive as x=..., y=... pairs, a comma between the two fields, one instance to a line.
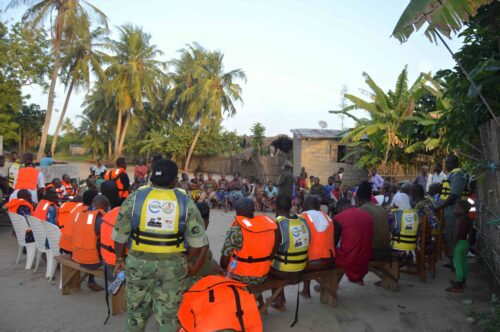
x=320, y=152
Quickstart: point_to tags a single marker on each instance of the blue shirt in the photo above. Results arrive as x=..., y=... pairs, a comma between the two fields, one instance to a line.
x=271, y=193
x=51, y=215
x=328, y=189
x=46, y=161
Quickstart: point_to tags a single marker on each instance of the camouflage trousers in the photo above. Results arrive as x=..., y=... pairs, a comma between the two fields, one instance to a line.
x=156, y=286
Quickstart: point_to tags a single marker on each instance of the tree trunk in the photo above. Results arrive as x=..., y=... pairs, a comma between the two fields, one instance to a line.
x=388, y=148
x=61, y=118
x=53, y=82
x=123, y=134
x=118, y=131
x=110, y=148
x=191, y=148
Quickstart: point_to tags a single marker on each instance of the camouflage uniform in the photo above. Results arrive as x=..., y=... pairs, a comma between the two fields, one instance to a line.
x=156, y=281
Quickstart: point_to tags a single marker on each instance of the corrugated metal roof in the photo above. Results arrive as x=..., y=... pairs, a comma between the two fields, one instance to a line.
x=316, y=133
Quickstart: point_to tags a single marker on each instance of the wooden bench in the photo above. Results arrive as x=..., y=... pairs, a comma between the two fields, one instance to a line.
x=387, y=271
x=71, y=279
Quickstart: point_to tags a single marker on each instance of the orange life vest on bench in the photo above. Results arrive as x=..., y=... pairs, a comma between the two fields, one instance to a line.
x=65, y=211
x=14, y=204
x=66, y=241
x=107, y=243
x=321, y=244
x=42, y=208
x=84, y=237
x=216, y=303
x=255, y=256
x=114, y=175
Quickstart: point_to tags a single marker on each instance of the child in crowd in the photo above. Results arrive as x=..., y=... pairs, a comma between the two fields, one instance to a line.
x=461, y=231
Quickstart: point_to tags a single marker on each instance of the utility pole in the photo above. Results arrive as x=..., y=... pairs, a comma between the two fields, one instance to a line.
x=343, y=104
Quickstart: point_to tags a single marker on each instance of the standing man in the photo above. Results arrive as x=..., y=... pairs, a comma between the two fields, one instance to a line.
x=377, y=182
x=438, y=176
x=424, y=179
x=454, y=189
x=286, y=180
x=29, y=178
x=13, y=168
x=120, y=176
x=159, y=223
x=98, y=168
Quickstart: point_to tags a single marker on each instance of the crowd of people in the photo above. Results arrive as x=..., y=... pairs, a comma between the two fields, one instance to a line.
x=155, y=230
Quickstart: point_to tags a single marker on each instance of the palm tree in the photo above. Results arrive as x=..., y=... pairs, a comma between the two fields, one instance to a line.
x=80, y=59
x=63, y=15
x=133, y=75
x=203, y=90
x=388, y=111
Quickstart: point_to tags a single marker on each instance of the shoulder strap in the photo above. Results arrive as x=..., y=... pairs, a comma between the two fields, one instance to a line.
x=139, y=199
x=239, y=311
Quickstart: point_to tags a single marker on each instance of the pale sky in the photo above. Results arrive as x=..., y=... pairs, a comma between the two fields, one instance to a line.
x=296, y=54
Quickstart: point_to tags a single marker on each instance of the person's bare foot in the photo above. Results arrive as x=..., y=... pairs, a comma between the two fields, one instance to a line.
x=95, y=287
x=305, y=294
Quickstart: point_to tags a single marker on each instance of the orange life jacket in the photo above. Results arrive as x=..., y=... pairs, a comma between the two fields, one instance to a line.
x=69, y=188
x=14, y=204
x=107, y=243
x=114, y=175
x=66, y=240
x=216, y=303
x=84, y=237
x=255, y=256
x=65, y=211
x=27, y=178
x=42, y=208
x=321, y=244
x=59, y=191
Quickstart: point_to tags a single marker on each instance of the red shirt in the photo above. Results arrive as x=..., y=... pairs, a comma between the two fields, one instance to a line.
x=141, y=172
x=355, y=250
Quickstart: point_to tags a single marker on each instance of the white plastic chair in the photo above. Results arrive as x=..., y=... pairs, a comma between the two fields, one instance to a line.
x=20, y=226
x=40, y=235
x=53, y=236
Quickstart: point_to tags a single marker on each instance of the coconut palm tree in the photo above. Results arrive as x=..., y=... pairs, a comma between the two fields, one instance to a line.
x=80, y=59
x=63, y=16
x=133, y=76
x=204, y=91
x=388, y=111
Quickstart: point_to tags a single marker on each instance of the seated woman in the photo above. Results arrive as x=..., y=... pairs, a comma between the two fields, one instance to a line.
x=235, y=189
x=270, y=193
x=292, y=242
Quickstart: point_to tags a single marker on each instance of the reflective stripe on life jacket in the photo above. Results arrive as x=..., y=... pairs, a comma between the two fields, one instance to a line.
x=404, y=234
x=216, y=303
x=69, y=188
x=66, y=241
x=107, y=243
x=27, y=178
x=43, y=208
x=255, y=256
x=292, y=251
x=65, y=211
x=14, y=204
x=158, y=221
x=85, y=238
x=446, y=186
x=114, y=175
x=59, y=191
x=321, y=244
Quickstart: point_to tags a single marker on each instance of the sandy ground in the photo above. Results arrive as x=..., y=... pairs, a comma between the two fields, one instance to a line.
x=28, y=302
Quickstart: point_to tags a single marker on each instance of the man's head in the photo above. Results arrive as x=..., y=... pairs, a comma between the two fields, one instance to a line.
x=270, y=184
x=164, y=173
x=364, y=193
x=110, y=190
x=24, y=194
x=121, y=162
x=424, y=170
x=331, y=181
x=451, y=162
x=209, y=176
x=438, y=168
x=311, y=178
x=51, y=195
x=2, y=161
x=99, y=162
x=316, y=181
x=312, y=202
x=341, y=170
x=185, y=177
x=417, y=192
x=91, y=182
x=28, y=158
x=100, y=202
x=283, y=204
x=66, y=178
x=14, y=156
x=201, y=177
x=204, y=212
x=406, y=188
x=245, y=207
x=343, y=204
x=434, y=189
x=374, y=171
x=88, y=196
x=462, y=208
x=48, y=154
x=223, y=177
x=57, y=182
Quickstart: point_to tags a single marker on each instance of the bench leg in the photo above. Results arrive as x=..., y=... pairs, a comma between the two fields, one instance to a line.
x=328, y=291
x=268, y=301
x=70, y=280
x=118, y=302
x=388, y=274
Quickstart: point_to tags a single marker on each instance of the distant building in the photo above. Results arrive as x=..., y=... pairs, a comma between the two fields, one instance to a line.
x=321, y=152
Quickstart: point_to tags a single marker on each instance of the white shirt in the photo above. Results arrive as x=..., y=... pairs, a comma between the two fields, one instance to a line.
x=401, y=200
x=98, y=170
x=438, y=178
x=318, y=219
x=34, y=195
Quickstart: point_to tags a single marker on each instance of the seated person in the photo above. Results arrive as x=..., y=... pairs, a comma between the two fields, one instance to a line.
x=323, y=238
x=292, y=242
x=68, y=186
x=184, y=183
x=57, y=186
x=86, y=234
x=195, y=189
x=434, y=193
x=425, y=211
x=66, y=209
x=222, y=190
x=235, y=189
x=66, y=241
x=317, y=189
x=209, y=188
x=270, y=193
x=22, y=205
x=355, y=249
x=110, y=190
x=47, y=208
x=258, y=197
x=249, y=236
x=401, y=199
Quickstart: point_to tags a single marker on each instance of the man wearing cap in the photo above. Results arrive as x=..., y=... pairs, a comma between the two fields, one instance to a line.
x=286, y=181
